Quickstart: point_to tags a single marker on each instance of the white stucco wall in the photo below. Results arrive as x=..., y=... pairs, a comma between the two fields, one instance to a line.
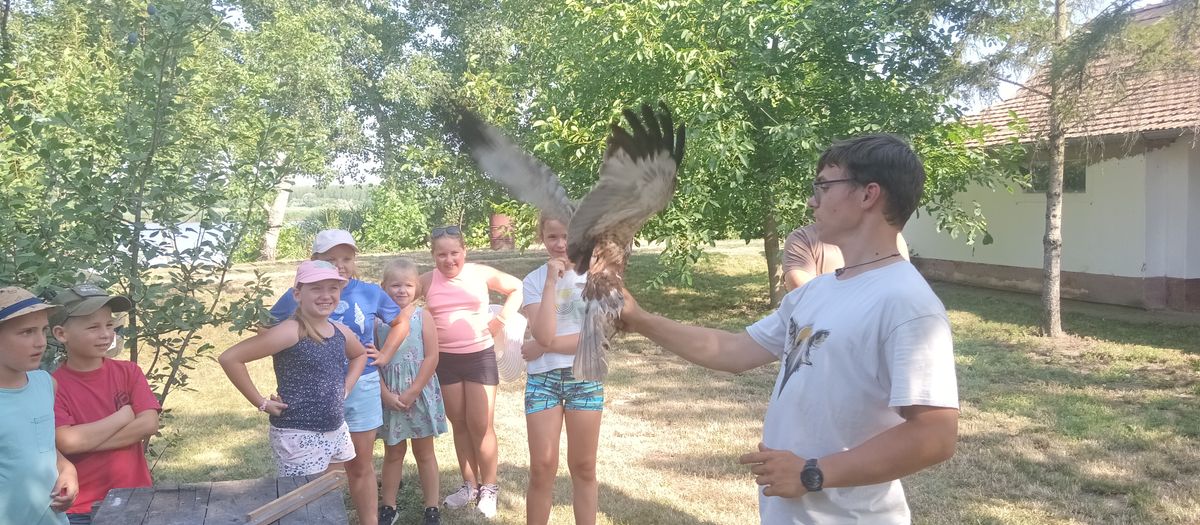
x=1133, y=221
x=1193, y=237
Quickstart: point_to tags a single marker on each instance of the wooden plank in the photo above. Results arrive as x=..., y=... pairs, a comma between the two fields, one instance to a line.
x=286, y=486
x=330, y=508
x=189, y=505
x=296, y=499
x=231, y=500
x=124, y=507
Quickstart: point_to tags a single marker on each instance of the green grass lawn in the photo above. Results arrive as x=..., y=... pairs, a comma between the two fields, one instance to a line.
x=1100, y=427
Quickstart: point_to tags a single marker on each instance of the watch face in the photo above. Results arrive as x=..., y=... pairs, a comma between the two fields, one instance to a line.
x=812, y=478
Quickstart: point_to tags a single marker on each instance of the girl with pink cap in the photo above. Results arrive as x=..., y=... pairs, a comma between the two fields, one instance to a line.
x=308, y=431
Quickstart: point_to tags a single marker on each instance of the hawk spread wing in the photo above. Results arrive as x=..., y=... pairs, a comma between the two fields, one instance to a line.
x=637, y=180
x=505, y=162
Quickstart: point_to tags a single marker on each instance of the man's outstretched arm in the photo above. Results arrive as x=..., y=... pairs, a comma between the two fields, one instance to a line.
x=707, y=347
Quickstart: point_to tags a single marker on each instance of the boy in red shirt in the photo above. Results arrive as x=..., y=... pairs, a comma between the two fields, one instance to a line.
x=103, y=409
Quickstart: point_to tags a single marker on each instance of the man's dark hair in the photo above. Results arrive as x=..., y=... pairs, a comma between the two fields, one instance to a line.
x=886, y=160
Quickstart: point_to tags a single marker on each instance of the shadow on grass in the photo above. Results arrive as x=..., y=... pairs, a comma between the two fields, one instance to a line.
x=1101, y=322
x=615, y=503
x=1052, y=467
x=710, y=465
x=649, y=384
x=1010, y=381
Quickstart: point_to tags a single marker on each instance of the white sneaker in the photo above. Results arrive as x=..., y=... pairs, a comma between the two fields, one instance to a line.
x=461, y=497
x=487, y=500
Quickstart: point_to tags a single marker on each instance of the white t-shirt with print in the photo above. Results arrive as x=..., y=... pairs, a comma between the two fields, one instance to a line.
x=852, y=353
x=569, y=307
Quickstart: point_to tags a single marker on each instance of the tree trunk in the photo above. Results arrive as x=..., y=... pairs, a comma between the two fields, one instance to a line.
x=771, y=251
x=275, y=214
x=269, y=249
x=1052, y=242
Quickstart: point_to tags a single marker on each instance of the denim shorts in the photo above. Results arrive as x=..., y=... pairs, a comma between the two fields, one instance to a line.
x=560, y=388
x=364, y=408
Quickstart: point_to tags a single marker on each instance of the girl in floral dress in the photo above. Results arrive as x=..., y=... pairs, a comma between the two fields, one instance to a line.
x=412, y=399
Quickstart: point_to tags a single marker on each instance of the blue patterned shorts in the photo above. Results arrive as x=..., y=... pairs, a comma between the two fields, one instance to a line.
x=560, y=388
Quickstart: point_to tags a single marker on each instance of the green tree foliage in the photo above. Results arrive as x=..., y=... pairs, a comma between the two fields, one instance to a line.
x=395, y=220
x=765, y=86
x=128, y=129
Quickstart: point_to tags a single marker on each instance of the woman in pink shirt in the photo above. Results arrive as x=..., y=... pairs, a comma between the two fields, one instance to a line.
x=456, y=294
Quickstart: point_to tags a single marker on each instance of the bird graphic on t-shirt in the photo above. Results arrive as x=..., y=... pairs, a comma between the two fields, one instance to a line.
x=801, y=342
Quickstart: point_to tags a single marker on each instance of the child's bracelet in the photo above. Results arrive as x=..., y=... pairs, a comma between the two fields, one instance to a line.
x=263, y=406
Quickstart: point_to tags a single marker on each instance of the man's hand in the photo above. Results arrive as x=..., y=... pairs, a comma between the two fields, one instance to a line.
x=66, y=487
x=778, y=471
x=631, y=313
x=532, y=350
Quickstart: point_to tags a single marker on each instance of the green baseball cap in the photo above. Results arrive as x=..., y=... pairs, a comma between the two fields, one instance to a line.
x=83, y=299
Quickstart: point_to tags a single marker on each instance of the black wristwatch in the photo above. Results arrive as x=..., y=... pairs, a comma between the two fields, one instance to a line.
x=811, y=477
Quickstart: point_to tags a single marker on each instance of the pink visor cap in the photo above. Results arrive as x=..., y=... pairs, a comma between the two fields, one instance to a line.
x=316, y=271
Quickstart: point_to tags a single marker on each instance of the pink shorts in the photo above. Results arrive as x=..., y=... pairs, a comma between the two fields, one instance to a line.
x=304, y=452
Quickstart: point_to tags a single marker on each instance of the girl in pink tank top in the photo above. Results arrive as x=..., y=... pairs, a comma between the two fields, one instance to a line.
x=460, y=308
x=457, y=297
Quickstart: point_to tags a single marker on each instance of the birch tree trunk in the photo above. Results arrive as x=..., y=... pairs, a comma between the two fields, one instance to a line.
x=1052, y=242
x=275, y=215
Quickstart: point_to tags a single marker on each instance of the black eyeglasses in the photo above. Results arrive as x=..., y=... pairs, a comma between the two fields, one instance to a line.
x=820, y=185
x=442, y=231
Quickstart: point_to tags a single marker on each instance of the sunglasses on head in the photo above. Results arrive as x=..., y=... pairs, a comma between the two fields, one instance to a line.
x=49, y=294
x=453, y=231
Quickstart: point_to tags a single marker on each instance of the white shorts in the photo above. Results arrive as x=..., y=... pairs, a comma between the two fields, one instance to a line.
x=304, y=452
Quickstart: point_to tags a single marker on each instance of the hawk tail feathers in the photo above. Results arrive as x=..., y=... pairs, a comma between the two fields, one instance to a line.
x=595, y=333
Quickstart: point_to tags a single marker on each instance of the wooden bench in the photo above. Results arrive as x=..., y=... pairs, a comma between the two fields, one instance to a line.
x=220, y=502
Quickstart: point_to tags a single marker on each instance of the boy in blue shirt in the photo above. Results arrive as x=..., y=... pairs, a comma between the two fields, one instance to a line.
x=37, y=484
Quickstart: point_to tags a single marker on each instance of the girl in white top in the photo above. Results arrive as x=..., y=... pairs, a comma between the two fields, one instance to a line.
x=553, y=305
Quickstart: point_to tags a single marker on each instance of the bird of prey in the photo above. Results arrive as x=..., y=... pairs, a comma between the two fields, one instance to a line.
x=637, y=180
